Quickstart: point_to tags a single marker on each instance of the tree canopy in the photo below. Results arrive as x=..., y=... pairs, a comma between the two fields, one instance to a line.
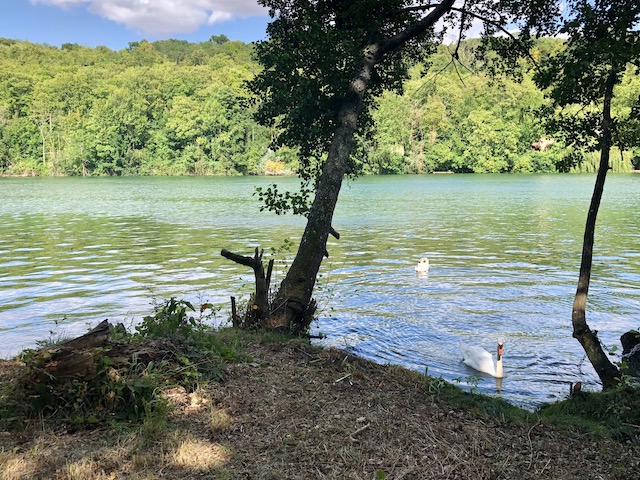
x=177, y=108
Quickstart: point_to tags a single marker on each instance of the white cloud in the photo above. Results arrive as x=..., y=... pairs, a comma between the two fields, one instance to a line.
x=60, y=3
x=165, y=17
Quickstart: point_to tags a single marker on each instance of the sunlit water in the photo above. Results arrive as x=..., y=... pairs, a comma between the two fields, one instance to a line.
x=504, y=254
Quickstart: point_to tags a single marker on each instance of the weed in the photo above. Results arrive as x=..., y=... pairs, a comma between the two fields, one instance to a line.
x=170, y=318
x=434, y=386
x=472, y=381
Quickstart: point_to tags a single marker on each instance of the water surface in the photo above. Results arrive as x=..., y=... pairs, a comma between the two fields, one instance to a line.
x=504, y=252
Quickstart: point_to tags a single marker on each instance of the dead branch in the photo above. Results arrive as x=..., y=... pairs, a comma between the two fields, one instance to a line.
x=258, y=308
x=241, y=259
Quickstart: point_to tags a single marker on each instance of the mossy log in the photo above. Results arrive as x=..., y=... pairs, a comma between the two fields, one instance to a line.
x=83, y=357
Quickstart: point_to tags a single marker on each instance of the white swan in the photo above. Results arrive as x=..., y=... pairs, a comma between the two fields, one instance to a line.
x=479, y=359
x=423, y=265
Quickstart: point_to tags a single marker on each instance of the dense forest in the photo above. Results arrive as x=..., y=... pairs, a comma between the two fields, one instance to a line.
x=177, y=108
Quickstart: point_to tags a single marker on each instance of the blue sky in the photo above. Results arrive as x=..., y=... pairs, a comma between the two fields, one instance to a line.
x=115, y=23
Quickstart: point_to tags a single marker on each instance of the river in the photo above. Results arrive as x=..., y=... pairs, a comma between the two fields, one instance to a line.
x=504, y=253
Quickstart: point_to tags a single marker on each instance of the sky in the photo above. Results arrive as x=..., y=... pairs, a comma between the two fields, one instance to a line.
x=115, y=23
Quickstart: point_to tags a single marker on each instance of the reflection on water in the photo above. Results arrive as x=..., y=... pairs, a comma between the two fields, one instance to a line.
x=504, y=254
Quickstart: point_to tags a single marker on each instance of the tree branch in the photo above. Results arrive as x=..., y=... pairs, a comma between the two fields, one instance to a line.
x=241, y=259
x=416, y=29
x=498, y=24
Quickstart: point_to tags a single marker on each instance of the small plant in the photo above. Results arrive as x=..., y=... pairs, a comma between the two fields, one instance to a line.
x=55, y=335
x=433, y=385
x=473, y=381
x=170, y=318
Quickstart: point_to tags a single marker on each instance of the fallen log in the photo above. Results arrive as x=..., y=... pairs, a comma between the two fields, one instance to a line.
x=72, y=359
x=84, y=357
x=95, y=375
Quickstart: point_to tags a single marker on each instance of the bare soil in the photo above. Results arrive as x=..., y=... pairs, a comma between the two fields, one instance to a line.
x=299, y=412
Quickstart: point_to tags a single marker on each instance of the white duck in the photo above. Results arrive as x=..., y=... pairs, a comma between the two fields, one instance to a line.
x=479, y=359
x=423, y=265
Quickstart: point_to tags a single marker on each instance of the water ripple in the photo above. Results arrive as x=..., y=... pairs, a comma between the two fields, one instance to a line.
x=504, y=252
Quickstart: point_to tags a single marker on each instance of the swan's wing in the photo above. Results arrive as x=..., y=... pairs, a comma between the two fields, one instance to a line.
x=473, y=351
x=477, y=358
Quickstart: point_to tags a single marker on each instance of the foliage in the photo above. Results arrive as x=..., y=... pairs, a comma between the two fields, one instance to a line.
x=303, y=91
x=603, y=46
x=167, y=349
x=177, y=108
x=170, y=318
x=125, y=390
x=162, y=108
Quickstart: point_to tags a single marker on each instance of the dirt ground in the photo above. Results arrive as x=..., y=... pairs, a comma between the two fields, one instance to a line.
x=299, y=412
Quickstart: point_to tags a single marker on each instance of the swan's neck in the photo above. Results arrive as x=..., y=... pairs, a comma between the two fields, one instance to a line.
x=499, y=373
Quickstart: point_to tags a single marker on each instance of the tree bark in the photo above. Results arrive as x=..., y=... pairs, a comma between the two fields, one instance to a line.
x=607, y=371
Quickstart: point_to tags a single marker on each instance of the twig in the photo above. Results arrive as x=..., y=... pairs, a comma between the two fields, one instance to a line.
x=545, y=467
x=360, y=430
x=299, y=350
x=343, y=378
x=531, y=443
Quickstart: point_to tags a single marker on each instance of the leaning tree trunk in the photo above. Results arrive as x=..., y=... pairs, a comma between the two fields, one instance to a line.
x=607, y=371
x=293, y=307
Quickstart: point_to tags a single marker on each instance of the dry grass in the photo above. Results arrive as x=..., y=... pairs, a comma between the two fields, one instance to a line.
x=197, y=455
x=85, y=468
x=15, y=467
x=299, y=412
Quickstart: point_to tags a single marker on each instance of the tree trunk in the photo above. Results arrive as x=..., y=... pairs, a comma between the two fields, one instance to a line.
x=607, y=371
x=294, y=295
x=293, y=305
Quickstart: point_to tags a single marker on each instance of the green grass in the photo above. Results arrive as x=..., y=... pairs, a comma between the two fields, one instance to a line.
x=610, y=414
x=614, y=413
x=484, y=404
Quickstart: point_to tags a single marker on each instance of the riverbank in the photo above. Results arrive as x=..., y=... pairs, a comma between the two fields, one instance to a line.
x=293, y=411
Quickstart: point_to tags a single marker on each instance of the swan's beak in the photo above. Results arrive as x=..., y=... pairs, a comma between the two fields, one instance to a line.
x=500, y=350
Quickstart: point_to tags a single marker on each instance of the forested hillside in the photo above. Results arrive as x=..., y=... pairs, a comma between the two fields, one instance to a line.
x=177, y=108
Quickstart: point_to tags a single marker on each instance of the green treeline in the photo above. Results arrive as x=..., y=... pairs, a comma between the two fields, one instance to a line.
x=167, y=108
x=177, y=108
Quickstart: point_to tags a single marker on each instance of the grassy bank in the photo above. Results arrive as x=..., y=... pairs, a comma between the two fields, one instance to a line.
x=268, y=407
